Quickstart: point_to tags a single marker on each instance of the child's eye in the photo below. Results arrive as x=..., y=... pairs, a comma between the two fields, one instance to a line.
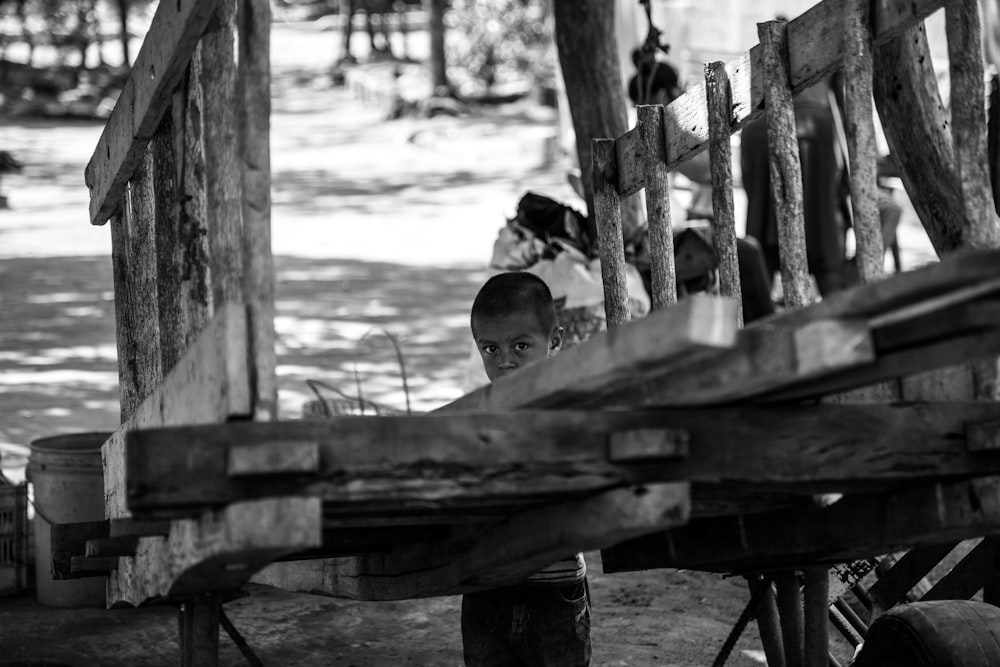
x=521, y=347
x=489, y=349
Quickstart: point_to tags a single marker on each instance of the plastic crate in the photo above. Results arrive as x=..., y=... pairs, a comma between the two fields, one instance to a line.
x=13, y=537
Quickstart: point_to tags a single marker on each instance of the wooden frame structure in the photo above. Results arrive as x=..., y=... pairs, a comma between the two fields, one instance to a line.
x=204, y=489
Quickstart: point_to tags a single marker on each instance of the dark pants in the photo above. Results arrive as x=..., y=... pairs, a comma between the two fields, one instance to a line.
x=527, y=626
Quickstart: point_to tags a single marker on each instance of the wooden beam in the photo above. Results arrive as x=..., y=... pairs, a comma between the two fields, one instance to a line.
x=68, y=540
x=220, y=550
x=159, y=67
x=488, y=556
x=892, y=586
x=611, y=360
x=815, y=42
x=854, y=527
x=446, y=462
x=969, y=575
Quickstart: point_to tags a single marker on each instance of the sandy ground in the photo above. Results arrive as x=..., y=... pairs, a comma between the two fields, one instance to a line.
x=377, y=226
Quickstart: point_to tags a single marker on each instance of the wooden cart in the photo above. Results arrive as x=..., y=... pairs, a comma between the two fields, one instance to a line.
x=682, y=438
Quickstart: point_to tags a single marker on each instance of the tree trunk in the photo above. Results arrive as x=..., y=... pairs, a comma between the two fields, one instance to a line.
x=123, y=14
x=588, y=56
x=347, y=8
x=435, y=26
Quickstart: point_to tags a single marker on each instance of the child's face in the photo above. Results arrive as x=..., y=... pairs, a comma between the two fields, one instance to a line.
x=506, y=344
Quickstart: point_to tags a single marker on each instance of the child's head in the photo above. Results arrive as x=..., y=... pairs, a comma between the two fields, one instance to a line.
x=514, y=323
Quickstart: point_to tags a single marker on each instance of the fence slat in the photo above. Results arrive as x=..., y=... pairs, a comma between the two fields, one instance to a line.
x=786, y=169
x=159, y=67
x=661, y=233
x=258, y=281
x=968, y=121
x=720, y=114
x=860, y=130
x=608, y=214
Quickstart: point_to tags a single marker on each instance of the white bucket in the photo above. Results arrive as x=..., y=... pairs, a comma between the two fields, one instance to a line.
x=68, y=480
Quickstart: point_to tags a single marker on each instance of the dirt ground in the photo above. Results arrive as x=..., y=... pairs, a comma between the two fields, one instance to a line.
x=377, y=225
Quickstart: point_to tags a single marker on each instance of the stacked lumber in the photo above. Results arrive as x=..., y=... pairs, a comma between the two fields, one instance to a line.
x=457, y=500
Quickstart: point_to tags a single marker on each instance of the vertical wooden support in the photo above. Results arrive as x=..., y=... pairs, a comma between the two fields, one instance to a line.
x=661, y=233
x=222, y=156
x=199, y=631
x=786, y=169
x=769, y=627
x=790, y=611
x=968, y=122
x=255, y=121
x=720, y=117
x=860, y=130
x=607, y=210
x=133, y=257
x=193, y=223
x=817, y=603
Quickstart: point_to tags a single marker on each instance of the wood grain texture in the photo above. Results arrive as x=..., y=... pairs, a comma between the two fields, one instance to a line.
x=720, y=116
x=254, y=112
x=608, y=216
x=784, y=162
x=491, y=555
x=218, y=551
x=661, y=233
x=159, y=67
x=816, y=40
x=859, y=126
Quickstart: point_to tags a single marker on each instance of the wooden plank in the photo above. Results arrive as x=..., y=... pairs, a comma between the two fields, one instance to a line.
x=860, y=130
x=608, y=216
x=719, y=98
x=218, y=551
x=661, y=234
x=854, y=527
x=172, y=37
x=785, y=165
x=391, y=466
x=208, y=385
x=132, y=527
x=969, y=575
x=815, y=42
x=85, y=566
x=493, y=555
x=112, y=546
x=133, y=258
x=612, y=360
x=68, y=540
x=254, y=109
x=272, y=458
x=891, y=588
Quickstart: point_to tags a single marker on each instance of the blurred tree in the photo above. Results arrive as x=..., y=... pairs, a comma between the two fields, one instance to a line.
x=123, y=18
x=588, y=57
x=435, y=26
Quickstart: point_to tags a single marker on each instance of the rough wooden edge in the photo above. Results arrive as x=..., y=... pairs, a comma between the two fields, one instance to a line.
x=686, y=118
x=172, y=38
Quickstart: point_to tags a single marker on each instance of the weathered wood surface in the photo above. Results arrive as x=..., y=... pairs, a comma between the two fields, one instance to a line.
x=219, y=550
x=815, y=38
x=657, y=184
x=854, y=527
x=490, y=555
x=608, y=216
x=891, y=587
x=208, y=385
x=392, y=466
x=720, y=116
x=969, y=575
x=611, y=360
x=70, y=539
x=784, y=163
x=859, y=126
x=159, y=67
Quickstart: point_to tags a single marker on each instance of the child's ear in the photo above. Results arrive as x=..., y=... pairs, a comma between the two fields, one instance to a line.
x=556, y=340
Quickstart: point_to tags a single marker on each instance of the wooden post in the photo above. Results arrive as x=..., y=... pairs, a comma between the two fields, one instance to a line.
x=133, y=256
x=786, y=169
x=768, y=626
x=860, y=130
x=199, y=631
x=790, y=611
x=255, y=121
x=720, y=117
x=661, y=233
x=222, y=157
x=607, y=208
x=968, y=122
x=817, y=602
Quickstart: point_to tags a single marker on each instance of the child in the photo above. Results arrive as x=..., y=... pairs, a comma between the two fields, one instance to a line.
x=544, y=621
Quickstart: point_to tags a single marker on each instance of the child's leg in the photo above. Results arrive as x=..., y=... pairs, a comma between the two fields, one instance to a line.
x=558, y=628
x=487, y=620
